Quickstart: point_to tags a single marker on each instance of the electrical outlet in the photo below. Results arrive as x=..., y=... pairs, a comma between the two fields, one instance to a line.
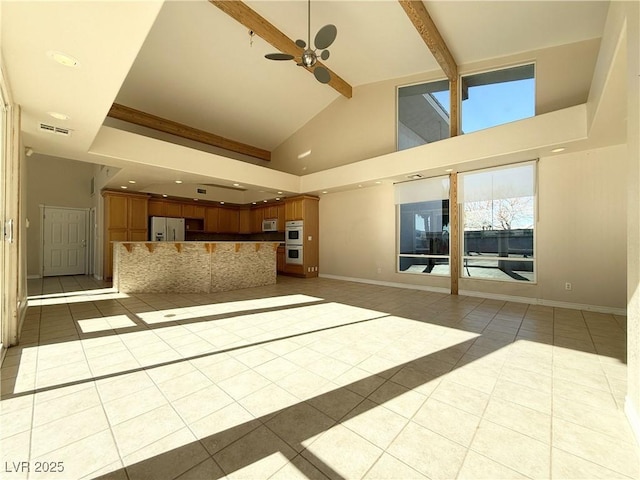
x=567, y=286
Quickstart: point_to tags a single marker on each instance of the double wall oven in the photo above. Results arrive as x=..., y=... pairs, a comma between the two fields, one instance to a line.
x=293, y=242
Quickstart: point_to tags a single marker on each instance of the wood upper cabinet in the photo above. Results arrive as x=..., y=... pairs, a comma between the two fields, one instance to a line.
x=211, y=217
x=294, y=209
x=229, y=220
x=245, y=220
x=257, y=215
x=173, y=210
x=280, y=216
x=193, y=211
x=137, y=213
x=156, y=208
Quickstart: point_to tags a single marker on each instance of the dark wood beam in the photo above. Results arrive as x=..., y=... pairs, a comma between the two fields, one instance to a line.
x=417, y=13
x=144, y=119
x=240, y=12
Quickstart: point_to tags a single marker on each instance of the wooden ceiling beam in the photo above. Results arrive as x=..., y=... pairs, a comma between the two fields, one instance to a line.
x=240, y=12
x=144, y=119
x=419, y=16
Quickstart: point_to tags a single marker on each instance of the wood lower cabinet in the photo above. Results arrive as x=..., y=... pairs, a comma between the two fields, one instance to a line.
x=125, y=216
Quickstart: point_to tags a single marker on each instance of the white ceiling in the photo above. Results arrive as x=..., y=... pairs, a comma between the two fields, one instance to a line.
x=189, y=62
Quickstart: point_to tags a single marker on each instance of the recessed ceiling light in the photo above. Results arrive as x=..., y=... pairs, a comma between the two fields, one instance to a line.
x=449, y=170
x=124, y=187
x=558, y=150
x=279, y=193
x=165, y=195
x=236, y=184
x=59, y=116
x=378, y=182
x=178, y=181
x=304, y=154
x=195, y=199
x=277, y=198
x=221, y=203
x=132, y=181
x=264, y=201
x=63, y=58
x=359, y=186
x=253, y=203
x=325, y=191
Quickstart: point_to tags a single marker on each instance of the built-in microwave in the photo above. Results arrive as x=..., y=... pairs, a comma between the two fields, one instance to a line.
x=270, y=225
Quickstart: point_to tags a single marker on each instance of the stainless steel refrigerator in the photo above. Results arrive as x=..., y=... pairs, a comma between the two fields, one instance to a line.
x=166, y=229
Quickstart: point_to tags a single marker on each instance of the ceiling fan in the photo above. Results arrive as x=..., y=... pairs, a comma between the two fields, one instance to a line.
x=323, y=40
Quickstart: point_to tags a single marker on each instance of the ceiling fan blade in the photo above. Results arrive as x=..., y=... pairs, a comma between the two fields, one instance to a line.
x=279, y=56
x=324, y=55
x=322, y=75
x=325, y=36
x=301, y=43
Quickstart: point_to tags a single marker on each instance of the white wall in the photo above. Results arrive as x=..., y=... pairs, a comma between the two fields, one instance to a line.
x=54, y=182
x=581, y=235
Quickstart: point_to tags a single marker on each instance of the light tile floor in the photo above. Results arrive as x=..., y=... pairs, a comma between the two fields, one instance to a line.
x=311, y=379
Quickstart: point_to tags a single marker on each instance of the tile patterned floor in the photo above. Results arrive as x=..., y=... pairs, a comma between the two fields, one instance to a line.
x=311, y=378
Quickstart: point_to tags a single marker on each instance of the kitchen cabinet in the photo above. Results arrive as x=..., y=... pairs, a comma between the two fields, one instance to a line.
x=193, y=211
x=280, y=259
x=245, y=220
x=294, y=209
x=156, y=208
x=173, y=210
x=257, y=215
x=211, y=218
x=229, y=220
x=125, y=217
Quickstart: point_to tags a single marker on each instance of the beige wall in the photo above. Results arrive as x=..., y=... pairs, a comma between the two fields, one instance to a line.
x=364, y=126
x=581, y=238
x=54, y=182
x=629, y=12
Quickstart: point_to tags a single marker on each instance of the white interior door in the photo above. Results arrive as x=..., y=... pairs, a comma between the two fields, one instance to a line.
x=65, y=241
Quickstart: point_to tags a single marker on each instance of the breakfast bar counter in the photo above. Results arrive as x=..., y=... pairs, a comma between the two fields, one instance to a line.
x=192, y=267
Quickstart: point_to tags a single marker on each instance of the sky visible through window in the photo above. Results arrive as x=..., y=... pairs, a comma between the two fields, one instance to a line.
x=494, y=104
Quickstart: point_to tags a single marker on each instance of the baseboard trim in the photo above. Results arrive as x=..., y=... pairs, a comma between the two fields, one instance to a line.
x=33, y=277
x=633, y=417
x=386, y=284
x=546, y=303
x=492, y=296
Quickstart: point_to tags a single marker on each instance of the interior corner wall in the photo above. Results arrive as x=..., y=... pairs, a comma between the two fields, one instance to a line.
x=54, y=182
x=580, y=235
x=631, y=13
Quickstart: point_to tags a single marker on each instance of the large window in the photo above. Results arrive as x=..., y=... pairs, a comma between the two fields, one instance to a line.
x=423, y=226
x=498, y=213
x=497, y=97
x=487, y=99
x=423, y=114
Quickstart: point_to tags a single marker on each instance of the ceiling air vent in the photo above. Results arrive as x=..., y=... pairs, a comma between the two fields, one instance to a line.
x=65, y=132
x=414, y=176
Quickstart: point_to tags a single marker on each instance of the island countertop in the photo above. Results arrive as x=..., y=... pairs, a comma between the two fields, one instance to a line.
x=192, y=267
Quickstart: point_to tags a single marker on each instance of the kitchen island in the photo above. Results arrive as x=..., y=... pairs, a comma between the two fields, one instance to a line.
x=192, y=267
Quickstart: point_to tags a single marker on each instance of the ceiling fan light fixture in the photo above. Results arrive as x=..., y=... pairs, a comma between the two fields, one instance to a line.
x=309, y=58
x=323, y=40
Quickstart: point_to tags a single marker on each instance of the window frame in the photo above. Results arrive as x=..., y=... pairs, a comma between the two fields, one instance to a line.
x=533, y=259
x=400, y=255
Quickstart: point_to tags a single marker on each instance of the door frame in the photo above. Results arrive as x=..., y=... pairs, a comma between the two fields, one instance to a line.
x=88, y=235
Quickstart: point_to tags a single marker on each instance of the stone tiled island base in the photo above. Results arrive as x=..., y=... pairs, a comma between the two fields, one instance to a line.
x=192, y=267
